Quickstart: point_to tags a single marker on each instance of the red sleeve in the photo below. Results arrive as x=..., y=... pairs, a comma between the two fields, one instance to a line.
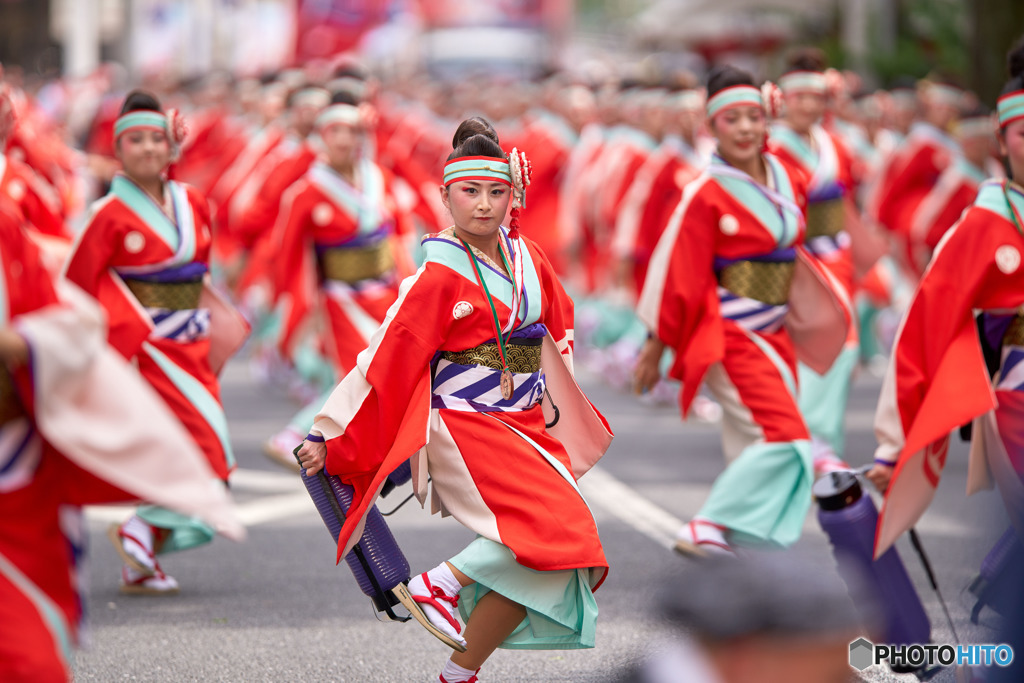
x=93, y=251
x=937, y=367
x=389, y=424
x=679, y=302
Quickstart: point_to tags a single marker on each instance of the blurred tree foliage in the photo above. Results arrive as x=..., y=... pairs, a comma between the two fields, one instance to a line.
x=968, y=39
x=997, y=25
x=931, y=35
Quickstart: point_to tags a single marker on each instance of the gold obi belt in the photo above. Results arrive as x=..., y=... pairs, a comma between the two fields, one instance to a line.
x=765, y=281
x=176, y=296
x=10, y=404
x=1014, y=335
x=825, y=219
x=523, y=355
x=352, y=264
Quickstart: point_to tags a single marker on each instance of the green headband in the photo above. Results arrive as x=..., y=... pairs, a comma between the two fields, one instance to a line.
x=804, y=81
x=477, y=168
x=735, y=96
x=140, y=119
x=1010, y=107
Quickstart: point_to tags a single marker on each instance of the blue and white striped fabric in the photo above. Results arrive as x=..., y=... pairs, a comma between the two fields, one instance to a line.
x=1011, y=372
x=825, y=245
x=475, y=388
x=20, y=451
x=187, y=325
x=751, y=314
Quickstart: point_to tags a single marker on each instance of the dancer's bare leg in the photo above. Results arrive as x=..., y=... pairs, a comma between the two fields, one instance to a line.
x=493, y=619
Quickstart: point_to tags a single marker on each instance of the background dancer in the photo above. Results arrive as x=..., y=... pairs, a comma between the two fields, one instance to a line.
x=338, y=239
x=717, y=293
x=144, y=255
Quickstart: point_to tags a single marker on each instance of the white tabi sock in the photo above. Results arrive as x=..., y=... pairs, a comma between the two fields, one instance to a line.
x=442, y=577
x=140, y=543
x=453, y=673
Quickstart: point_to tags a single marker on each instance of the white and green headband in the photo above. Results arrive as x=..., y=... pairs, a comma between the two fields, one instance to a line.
x=141, y=119
x=485, y=169
x=1010, y=107
x=344, y=114
x=735, y=96
x=796, y=82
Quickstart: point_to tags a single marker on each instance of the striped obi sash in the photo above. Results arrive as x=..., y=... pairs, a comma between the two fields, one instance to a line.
x=1004, y=330
x=470, y=380
x=171, y=299
x=753, y=292
x=365, y=257
x=826, y=221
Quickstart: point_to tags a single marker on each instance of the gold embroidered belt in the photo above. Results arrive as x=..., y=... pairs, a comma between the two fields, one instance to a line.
x=825, y=219
x=10, y=404
x=1014, y=335
x=176, y=296
x=523, y=355
x=767, y=282
x=352, y=264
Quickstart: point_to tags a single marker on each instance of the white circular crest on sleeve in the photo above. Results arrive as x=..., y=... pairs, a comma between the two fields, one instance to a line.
x=729, y=224
x=462, y=309
x=134, y=242
x=323, y=214
x=16, y=189
x=1007, y=259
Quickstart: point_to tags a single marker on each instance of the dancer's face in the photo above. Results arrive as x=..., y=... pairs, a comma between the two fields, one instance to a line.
x=477, y=207
x=740, y=133
x=343, y=143
x=804, y=109
x=144, y=153
x=1011, y=144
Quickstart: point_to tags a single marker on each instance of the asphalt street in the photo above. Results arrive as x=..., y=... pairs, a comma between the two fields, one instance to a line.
x=276, y=608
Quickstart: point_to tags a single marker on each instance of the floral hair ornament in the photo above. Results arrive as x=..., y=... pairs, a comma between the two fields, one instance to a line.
x=835, y=84
x=771, y=95
x=521, y=170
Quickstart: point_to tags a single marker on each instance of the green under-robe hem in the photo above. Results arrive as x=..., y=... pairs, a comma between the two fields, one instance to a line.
x=561, y=613
x=185, y=532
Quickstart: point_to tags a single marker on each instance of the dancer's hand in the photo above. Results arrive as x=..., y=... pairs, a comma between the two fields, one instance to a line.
x=647, y=371
x=13, y=348
x=879, y=475
x=312, y=456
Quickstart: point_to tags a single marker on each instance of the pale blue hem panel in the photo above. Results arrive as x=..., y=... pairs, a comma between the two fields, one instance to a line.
x=823, y=398
x=561, y=613
x=763, y=497
x=185, y=532
x=303, y=420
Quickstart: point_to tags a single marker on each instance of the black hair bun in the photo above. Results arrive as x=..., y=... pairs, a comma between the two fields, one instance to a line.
x=140, y=100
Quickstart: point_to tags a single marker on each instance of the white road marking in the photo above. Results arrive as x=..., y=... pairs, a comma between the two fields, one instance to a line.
x=615, y=497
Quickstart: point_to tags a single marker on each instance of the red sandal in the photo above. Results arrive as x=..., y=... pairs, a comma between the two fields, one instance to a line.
x=412, y=603
x=696, y=546
x=117, y=537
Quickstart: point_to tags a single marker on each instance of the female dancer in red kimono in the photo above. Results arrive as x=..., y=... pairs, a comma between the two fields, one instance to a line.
x=63, y=394
x=456, y=376
x=937, y=378
x=338, y=232
x=726, y=285
x=799, y=139
x=144, y=254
